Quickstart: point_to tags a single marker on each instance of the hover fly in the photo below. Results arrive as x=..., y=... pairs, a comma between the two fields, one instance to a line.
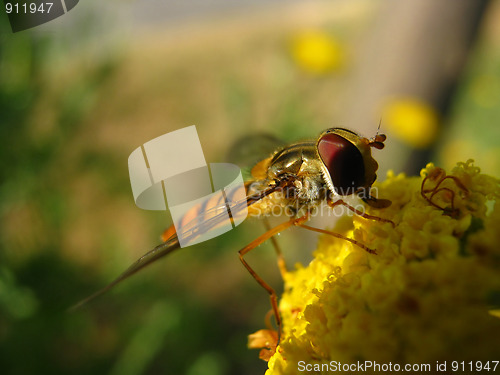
x=298, y=177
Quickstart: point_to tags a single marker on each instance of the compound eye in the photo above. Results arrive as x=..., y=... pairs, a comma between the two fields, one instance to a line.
x=344, y=163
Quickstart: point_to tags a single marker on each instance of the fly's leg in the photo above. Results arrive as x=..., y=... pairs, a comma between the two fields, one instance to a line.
x=252, y=245
x=277, y=249
x=337, y=235
x=281, y=266
x=267, y=320
x=358, y=212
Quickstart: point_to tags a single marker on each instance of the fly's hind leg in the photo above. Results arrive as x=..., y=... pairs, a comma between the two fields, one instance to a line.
x=277, y=249
x=281, y=266
x=252, y=245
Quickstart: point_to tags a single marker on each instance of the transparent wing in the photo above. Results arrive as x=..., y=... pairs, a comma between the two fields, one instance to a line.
x=198, y=222
x=250, y=149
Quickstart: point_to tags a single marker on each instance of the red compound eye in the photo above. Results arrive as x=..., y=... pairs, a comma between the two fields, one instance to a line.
x=344, y=163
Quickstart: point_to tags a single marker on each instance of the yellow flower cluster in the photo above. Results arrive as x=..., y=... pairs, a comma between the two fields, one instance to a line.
x=317, y=52
x=431, y=293
x=412, y=121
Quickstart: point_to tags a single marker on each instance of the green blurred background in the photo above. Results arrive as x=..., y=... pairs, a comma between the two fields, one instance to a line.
x=78, y=95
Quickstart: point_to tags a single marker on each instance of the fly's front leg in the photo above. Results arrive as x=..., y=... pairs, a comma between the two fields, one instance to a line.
x=338, y=235
x=340, y=202
x=252, y=245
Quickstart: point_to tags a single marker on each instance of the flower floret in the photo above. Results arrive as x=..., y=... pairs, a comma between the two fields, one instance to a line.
x=431, y=291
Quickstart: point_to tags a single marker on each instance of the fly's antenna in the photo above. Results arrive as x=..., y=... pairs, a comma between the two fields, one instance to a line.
x=378, y=141
x=378, y=129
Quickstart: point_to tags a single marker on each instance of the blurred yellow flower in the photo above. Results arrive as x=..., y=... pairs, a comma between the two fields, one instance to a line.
x=317, y=52
x=432, y=292
x=412, y=121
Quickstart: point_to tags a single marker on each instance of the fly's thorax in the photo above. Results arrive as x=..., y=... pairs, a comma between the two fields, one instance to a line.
x=298, y=161
x=300, y=164
x=304, y=189
x=293, y=160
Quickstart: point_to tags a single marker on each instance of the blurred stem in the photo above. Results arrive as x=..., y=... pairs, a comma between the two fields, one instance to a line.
x=418, y=49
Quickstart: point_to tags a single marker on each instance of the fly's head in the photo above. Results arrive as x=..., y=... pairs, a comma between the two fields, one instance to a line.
x=347, y=163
